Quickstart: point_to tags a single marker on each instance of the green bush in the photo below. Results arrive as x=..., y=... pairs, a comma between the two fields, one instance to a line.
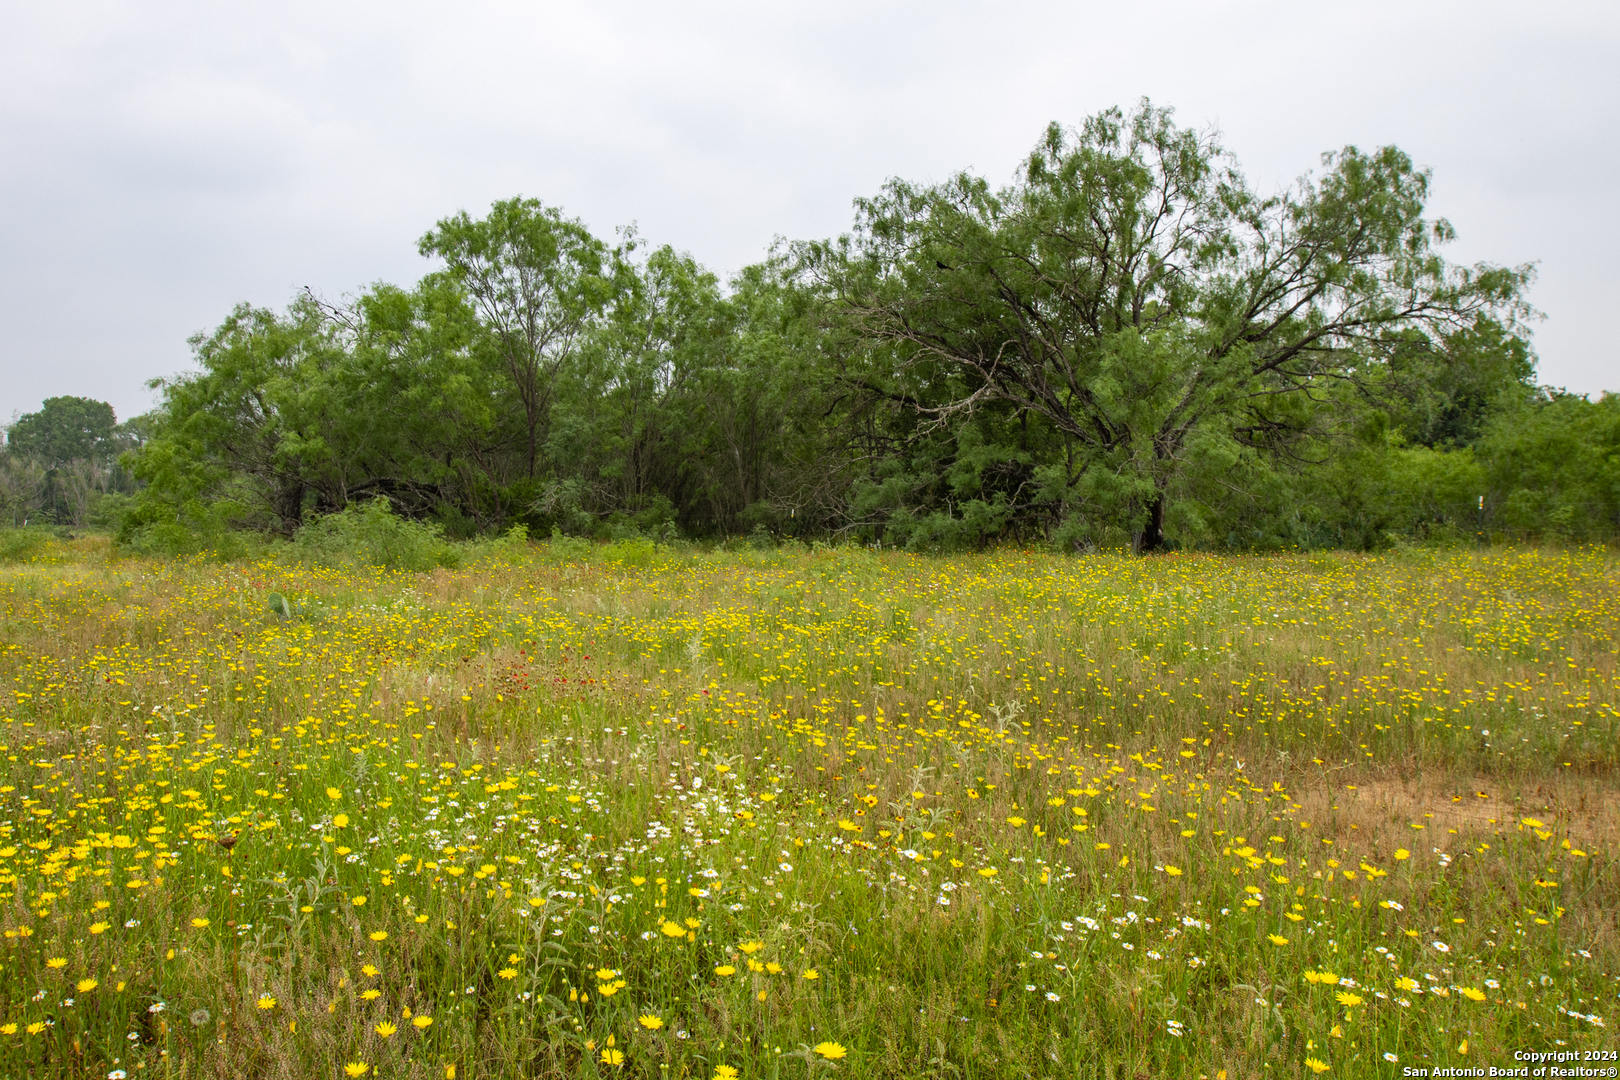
x=569, y=547
x=1553, y=468
x=511, y=547
x=20, y=545
x=371, y=534
x=207, y=519
x=637, y=552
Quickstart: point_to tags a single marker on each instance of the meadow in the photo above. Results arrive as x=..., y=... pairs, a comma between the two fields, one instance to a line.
x=677, y=813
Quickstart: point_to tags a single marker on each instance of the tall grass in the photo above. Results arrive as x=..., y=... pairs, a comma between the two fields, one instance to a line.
x=672, y=813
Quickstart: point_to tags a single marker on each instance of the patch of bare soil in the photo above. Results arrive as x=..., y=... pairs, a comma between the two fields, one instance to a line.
x=1389, y=809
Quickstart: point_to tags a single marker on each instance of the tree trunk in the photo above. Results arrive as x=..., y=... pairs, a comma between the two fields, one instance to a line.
x=288, y=504
x=1153, y=533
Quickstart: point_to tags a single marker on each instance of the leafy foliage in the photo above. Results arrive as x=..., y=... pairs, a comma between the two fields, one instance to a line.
x=1127, y=346
x=370, y=535
x=1160, y=323
x=60, y=462
x=20, y=545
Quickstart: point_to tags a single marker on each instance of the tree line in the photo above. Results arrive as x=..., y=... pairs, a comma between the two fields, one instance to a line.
x=1126, y=345
x=61, y=461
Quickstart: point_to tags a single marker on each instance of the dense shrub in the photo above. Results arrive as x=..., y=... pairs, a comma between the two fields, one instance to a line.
x=371, y=534
x=20, y=545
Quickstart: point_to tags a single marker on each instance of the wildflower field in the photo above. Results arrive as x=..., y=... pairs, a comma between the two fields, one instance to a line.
x=630, y=811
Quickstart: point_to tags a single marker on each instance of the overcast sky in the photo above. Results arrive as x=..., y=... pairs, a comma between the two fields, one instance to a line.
x=160, y=162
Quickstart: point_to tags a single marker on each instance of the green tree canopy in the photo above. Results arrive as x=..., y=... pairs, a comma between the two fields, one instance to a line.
x=537, y=279
x=66, y=429
x=1131, y=294
x=1127, y=344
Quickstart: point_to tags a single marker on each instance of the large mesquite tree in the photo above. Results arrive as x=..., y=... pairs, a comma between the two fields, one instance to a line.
x=537, y=280
x=1132, y=294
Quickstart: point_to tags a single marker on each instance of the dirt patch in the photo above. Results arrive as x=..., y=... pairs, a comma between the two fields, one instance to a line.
x=1583, y=808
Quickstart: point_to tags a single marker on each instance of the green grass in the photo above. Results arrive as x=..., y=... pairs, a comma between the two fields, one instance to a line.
x=1002, y=815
